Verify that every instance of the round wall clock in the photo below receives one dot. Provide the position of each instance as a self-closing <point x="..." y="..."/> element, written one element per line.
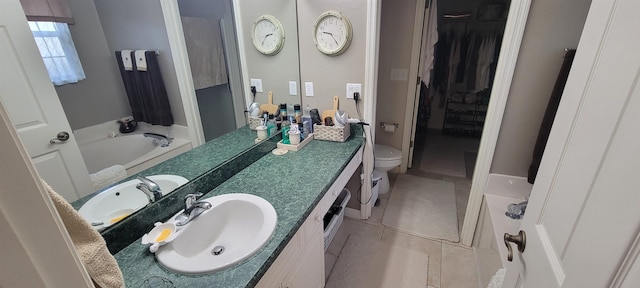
<point x="267" y="35"/>
<point x="332" y="33"/>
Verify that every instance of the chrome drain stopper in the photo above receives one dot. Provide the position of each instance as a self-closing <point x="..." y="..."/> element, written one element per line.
<point x="217" y="250"/>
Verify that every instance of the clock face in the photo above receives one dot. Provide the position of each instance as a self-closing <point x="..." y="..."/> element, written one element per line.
<point x="332" y="33"/>
<point x="268" y="35"/>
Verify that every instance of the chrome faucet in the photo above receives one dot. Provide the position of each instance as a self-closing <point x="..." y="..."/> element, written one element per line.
<point x="159" y="139"/>
<point x="193" y="209"/>
<point x="152" y="189"/>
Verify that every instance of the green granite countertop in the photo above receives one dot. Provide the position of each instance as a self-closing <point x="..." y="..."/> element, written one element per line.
<point x="293" y="183"/>
<point x="196" y="161"/>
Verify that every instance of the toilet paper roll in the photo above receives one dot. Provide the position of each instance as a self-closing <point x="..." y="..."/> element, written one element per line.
<point x="389" y="128"/>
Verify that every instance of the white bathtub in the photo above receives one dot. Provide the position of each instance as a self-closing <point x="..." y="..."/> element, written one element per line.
<point x="134" y="151"/>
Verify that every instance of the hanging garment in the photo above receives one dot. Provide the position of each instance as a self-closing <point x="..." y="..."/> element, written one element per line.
<point x="429" y="41"/>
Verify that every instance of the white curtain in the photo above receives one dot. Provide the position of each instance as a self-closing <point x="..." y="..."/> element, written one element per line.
<point x="58" y="52"/>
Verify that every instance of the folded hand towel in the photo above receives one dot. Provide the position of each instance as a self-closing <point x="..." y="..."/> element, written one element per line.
<point x="108" y="176"/>
<point x="90" y="246"/>
<point x="126" y="60"/>
<point x="141" y="60"/>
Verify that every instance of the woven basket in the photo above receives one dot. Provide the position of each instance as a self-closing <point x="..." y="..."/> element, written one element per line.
<point x="254" y="122"/>
<point x="331" y="133"/>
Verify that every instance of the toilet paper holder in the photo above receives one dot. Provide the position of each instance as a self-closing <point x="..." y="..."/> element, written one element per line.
<point x="382" y="124"/>
<point x="389" y="127"/>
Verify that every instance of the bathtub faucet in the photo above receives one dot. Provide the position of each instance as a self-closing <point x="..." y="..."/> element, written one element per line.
<point x="160" y="140"/>
<point x="150" y="188"/>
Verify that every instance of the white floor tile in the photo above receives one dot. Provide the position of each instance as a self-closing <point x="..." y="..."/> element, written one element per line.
<point x="433" y="248"/>
<point x="458" y="267"/>
<point x="366" y="262"/>
<point x="353" y="227"/>
<point x="329" y="262"/>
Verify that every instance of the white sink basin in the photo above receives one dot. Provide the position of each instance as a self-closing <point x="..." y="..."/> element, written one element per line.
<point x="117" y="202"/>
<point x="240" y="223"/>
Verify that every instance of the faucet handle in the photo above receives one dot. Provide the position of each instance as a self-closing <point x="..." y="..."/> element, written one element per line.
<point x="191" y="198"/>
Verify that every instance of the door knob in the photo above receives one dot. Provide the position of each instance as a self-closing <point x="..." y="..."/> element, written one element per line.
<point x="520" y="240"/>
<point x="62" y="136"/>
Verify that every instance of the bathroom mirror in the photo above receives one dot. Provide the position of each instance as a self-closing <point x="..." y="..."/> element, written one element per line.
<point x="279" y="72"/>
<point x="93" y="105"/>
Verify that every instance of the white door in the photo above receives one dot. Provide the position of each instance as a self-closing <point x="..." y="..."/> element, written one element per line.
<point x="34" y="108"/>
<point x="583" y="220"/>
<point x="424" y="41"/>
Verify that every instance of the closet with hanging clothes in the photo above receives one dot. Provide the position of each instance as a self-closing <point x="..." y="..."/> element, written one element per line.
<point x="464" y="65"/>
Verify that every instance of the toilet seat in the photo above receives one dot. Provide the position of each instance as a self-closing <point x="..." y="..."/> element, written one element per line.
<point x="386" y="153"/>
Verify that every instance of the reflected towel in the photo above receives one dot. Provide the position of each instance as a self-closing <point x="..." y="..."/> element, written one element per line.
<point x="90" y="246"/>
<point x="141" y="60"/>
<point x="108" y="176"/>
<point x="126" y="60"/>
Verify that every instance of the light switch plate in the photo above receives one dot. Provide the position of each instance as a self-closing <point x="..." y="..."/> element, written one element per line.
<point x="293" y="88"/>
<point x="352" y="88"/>
<point x="257" y="83"/>
<point x="308" y="89"/>
<point x="399" y="74"/>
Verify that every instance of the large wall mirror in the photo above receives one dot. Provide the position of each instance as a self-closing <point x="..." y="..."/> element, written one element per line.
<point x="217" y="33"/>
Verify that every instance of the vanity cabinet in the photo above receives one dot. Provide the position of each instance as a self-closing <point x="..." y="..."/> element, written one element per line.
<point x="301" y="263"/>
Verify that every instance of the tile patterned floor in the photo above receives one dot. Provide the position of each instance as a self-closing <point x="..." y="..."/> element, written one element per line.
<point x="450" y="265"/>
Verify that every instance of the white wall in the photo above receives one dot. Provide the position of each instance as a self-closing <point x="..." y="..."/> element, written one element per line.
<point x="552" y="26"/>
<point x="330" y="74"/>
<point x="101" y="96"/>
<point x="140" y="25"/>
<point x="395" y="52"/>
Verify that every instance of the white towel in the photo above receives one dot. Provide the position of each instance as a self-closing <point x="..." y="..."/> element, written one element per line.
<point x="496" y="280"/>
<point x="126" y="59"/>
<point x="108" y="176"/>
<point x="141" y="60"/>
<point x="89" y="244"/>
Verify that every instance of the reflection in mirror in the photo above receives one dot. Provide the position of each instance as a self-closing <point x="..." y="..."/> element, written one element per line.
<point x="278" y="72"/>
<point x="91" y="107"/>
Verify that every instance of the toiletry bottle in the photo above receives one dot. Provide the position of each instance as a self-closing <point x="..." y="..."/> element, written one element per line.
<point x="271" y="126"/>
<point x="297" y="113"/>
<point x="286" y="125"/>
<point x="307" y="125"/>
<point x="283" y="111"/>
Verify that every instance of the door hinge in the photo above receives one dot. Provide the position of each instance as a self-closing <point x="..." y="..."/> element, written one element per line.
<point x="418" y="81"/>
<point x="411" y="144"/>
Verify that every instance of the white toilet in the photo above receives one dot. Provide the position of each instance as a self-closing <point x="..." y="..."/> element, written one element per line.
<point x="386" y="158"/>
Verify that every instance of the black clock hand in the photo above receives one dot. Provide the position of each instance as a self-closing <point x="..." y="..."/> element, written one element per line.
<point x="334" y="38"/>
<point x="265" y="37"/>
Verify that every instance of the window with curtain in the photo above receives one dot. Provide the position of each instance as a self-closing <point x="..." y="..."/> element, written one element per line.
<point x="58" y="52"/>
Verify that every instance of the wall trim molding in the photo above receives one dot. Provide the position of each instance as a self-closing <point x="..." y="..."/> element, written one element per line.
<point x="173" y="23"/>
<point x="513" y="34"/>
<point x="370" y="97"/>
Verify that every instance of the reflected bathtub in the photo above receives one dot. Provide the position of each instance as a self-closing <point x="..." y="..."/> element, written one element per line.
<point x="133" y="151"/>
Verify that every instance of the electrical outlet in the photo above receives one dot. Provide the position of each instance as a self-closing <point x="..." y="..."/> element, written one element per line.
<point x="352" y="88"/>
<point x="399" y="74"/>
<point x="257" y="83"/>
